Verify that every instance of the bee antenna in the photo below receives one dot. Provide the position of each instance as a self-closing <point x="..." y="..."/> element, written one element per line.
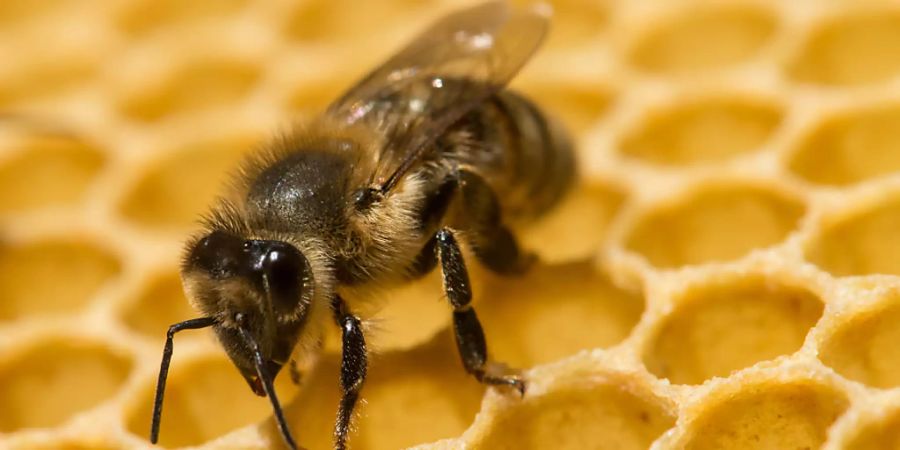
<point x="191" y="324"/>
<point x="267" y="383"/>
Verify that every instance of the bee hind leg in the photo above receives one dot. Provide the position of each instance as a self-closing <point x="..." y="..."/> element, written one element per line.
<point x="467" y="329"/>
<point x="353" y="368"/>
<point x="492" y="242"/>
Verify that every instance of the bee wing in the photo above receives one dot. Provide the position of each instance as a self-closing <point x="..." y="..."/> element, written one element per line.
<point x="445" y="72"/>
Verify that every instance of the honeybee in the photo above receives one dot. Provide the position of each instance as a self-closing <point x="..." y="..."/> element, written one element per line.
<point x="427" y="152"/>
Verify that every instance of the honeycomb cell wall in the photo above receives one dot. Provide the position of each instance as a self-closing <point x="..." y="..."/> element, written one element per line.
<point x="726" y="274"/>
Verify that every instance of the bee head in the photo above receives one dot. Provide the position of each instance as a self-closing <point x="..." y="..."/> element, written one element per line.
<point x="262" y="288"/>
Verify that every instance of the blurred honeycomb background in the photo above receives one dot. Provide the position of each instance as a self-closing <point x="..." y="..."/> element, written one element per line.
<point x="725" y="276"/>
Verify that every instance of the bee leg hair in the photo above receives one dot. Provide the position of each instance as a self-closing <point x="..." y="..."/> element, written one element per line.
<point x="353" y="368"/>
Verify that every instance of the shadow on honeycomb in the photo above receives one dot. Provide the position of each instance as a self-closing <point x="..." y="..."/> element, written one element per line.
<point x="724" y="276"/>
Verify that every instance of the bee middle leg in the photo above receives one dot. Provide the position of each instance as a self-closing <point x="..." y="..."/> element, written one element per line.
<point x="492" y="243"/>
<point x="353" y="368"/>
<point x="467" y="329"/>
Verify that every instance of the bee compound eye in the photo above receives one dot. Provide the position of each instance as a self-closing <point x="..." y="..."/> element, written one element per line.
<point x="286" y="269"/>
<point x="217" y="253"/>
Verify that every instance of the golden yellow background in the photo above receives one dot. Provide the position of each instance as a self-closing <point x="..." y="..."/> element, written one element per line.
<point x="725" y="276"/>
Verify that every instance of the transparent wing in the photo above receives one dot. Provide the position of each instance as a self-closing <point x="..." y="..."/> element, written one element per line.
<point x="445" y="72"/>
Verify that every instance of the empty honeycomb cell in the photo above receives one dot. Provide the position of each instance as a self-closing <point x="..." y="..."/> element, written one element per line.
<point x="604" y="416"/>
<point x="320" y="20"/>
<point x="68" y="445"/>
<point x="854" y="48"/>
<point x="738" y="116"/>
<point x="314" y="96"/>
<point x="730" y="325"/>
<point x="206" y="397"/>
<point x="49" y="382"/>
<point x="851" y="147"/>
<point x="18" y="11"/>
<point x="410" y="397"/>
<point x="409" y="315"/>
<point x="49" y="172"/>
<point x="877" y="435"/>
<point x="793" y="415"/>
<point x="706" y="131"/>
<point x="525" y="328"/>
<point x="864" y="347"/>
<point x="575" y="229"/>
<point x="718" y="223"/>
<point x="704" y="38"/>
<point x="143" y="16"/>
<point x="159" y="305"/>
<point x="171" y="194"/>
<point x="48" y="77"/>
<point x="576" y="106"/>
<point x="51" y="277"/>
<point x="862" y="244"/>
<point x="202" y="84"/>
<point x="575" y="22"/>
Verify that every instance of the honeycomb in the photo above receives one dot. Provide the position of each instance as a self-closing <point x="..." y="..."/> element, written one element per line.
<point x="725" y="276"/>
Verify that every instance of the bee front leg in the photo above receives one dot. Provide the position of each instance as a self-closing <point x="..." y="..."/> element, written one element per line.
<point x="467" y="329"/>
<point x="353" y="368"/>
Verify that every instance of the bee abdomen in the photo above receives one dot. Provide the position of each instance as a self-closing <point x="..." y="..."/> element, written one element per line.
<point x="538" y="165"/>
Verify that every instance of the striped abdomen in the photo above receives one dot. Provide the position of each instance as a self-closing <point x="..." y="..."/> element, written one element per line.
<point x="525" y="156"/>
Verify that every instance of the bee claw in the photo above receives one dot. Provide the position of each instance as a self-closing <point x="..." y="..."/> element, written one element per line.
<point x="512" y="381"/>
<point x="519" y="385"/>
